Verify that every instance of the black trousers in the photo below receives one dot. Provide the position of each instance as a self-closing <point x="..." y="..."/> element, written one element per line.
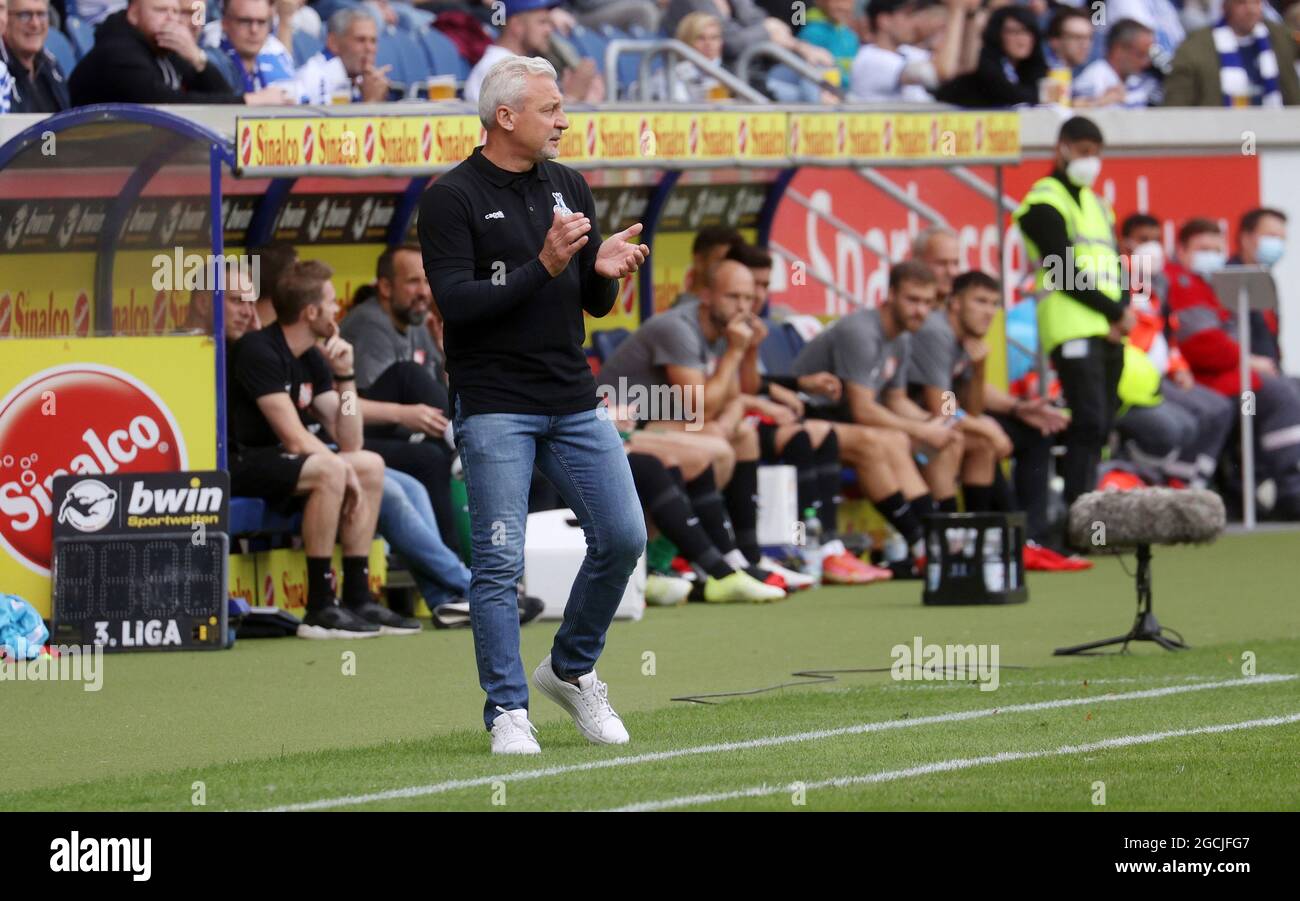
<point x="1089" y="370"/>
<point x="428" y="460"/>
<point x="1031" y="472"/>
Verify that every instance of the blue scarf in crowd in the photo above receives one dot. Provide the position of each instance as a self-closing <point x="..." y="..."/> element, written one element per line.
<point x="1242" y="86"/>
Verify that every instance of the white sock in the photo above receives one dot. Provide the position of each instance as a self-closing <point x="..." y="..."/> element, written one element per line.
<point x="832" y="548"/>
<point x="738" y="561"/>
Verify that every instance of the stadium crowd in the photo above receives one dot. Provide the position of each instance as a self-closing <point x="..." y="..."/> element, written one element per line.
<point x="972" y="53"/>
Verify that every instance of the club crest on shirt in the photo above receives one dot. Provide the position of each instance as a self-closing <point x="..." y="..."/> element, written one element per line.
<point x="304" y="395"/>
<point x="560" y="205"/>
<point x="891" y="366"/>
<point x="418" y="356"/>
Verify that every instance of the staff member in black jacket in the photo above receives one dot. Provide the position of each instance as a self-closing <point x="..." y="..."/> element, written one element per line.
<point x="514" y="257"/>
<point x="146" y="54"/>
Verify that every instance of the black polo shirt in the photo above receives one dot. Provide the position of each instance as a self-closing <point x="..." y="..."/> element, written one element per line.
<point x="513" y="334"/>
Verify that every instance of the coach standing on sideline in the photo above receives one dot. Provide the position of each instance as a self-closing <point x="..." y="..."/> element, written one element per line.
<point x="513" y="259"/>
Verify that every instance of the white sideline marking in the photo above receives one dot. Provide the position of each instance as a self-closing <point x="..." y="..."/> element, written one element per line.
<point x="945" y="766"/>
<point x="418" y="791"/>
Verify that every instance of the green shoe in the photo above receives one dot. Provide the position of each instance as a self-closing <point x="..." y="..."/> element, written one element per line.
<point x="740" y="587"/>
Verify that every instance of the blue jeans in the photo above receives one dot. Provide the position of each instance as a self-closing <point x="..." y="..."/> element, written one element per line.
<point x="582" y="456"/>
<point x="406" y="522"/>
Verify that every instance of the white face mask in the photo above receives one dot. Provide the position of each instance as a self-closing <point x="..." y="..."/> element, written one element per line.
<point x="1083" y="171"/>
<point x="1150" y="256"/>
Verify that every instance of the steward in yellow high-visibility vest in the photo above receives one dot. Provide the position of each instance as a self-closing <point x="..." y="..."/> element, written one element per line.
<point x="1083" y="303"/>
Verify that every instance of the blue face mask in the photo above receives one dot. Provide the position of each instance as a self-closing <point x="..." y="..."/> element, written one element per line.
<point x="1207" y="262"/>
<point x="1270" y="249"/>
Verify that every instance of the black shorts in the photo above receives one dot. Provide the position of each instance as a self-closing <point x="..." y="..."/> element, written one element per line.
<point x="267" y="472"/>
<point x="829" y="412"/>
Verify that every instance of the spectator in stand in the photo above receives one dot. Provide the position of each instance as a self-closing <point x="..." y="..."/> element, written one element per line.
<point x="1197" y="14"/>
<point x="1242" y="61"/>
<point x="1261" y="240"/>
<point x="35" y="82"/>
<point x="345" y="70"/>
<point x="1069" y="39"/>
<point x="6" y="81"/>
<point x="830" y="26"/>
<point x="703" y="32"/>
<point x="527" y="32"/>
<point x="399" y="378"/>
<point x="1206" y="332"/>
<point x="147" y="54"/>
<point x="1161" y="16"/>
<point x="256" y="58"/>
<point x="1010" y="66"/>
<point x="624" y="14"/>
<point x="1123" y="77"/>
<point x="281" y="385"/>
<point x="892" y="68"/>
<point x="744" y="24"/>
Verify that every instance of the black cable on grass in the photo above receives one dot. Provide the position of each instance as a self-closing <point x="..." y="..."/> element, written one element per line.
<point x="809" y="677"/>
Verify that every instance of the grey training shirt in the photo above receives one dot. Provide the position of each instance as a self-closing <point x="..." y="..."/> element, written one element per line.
<point x="855" y="349"/>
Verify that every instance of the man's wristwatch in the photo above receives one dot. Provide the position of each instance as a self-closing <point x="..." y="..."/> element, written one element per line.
<point x="350" y="377"/>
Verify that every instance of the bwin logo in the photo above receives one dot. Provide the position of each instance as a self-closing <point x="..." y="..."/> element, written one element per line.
<point x="163" y="501"/>
<point x="497" y="215"/>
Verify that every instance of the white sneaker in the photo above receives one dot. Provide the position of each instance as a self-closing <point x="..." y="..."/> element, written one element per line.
<point x="513" y="734"/>
<point x="587" y="702"/>
<point x="793" y="580"/>
<point x="666" y="591"/>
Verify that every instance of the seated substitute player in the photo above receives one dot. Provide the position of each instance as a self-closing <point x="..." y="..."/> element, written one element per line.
<point x="282" y="399"/>
<point x="946" y="378"/>
<point x="868" y="350"/>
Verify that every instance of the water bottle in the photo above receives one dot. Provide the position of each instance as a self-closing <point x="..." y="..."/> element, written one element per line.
<point x="812" y="545"/>
<point x="994" y="575"/>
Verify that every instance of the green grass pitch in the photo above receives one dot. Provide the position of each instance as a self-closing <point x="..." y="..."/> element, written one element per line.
<point x="279" y="724"/>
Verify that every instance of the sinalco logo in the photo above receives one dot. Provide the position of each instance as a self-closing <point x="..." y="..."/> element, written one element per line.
<point x="88" y="505"/>
<point x="79" y="418"/>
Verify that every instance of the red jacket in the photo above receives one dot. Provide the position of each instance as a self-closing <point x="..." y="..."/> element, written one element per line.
<point x="1200" y="324"/>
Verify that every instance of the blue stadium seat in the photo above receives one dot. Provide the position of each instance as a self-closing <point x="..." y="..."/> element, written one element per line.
<point x="58" y="44"/>
<point x="82" y="35"/>
<point x="400" y="50"/>
<point x="443" y="55"/>
<point x="250" y="516"/>
<point x="629" y="64"/>
<point x="305" y="47"/>
<point x="246" y="515"/>
<point x="606" y="342"/>
<point x="590" y="44"/>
